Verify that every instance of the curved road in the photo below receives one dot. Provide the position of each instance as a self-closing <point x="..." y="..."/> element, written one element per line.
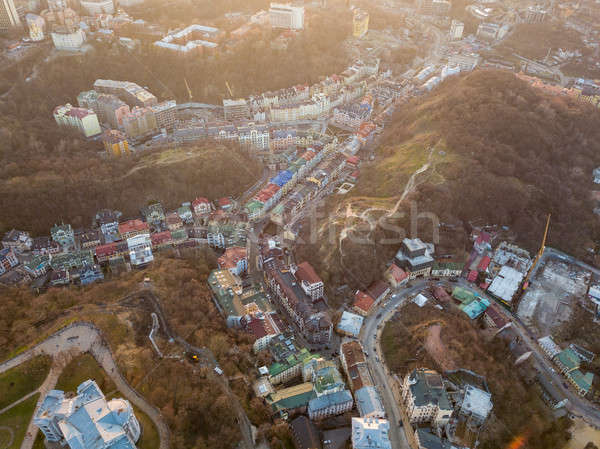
<point x="69" y="342"/>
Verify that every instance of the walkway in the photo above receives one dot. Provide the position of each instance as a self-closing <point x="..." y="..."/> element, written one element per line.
<point x="68" y="343"/>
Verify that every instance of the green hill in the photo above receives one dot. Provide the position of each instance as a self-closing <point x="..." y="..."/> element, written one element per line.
<point x="497" y="152"/>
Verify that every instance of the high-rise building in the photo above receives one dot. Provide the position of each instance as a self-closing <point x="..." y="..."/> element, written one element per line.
<point x="98" y="6"/>
<point x="115" y="143"/>
<point x="139" y="122"/>
<point x="286" y="16"/>
<point x="8" y="15"/>
<point x="68" y="39"/>
<point x="360" y="23"/>
<point x="535" y="14"/>
<point x="433" y="7"/>
<point x="236" y="109"/>
<point x="456" y="30"/>
<point x="82" y="119"/>
<point x="165" y="114"/>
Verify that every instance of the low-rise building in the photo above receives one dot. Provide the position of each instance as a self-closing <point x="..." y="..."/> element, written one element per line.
<point x="363" y="303"/>
<point x="108" y="222"/>
<point x="370" y="433"/>
<point x="305" y="434"/>
<point x="64" y="235"/>
<point x="140" y="250"/>
<point x="201" y="206"/>
<point x="37" y="265"/>
<point x="87" y="419"/>
<point x="235" y="260"/>
<point x="330" y="404"/>
<point x="494" y="318"/>
<point x="350" y="324"/>
<point x="368" y="402"/>
<point x="291" y="401"/>
<point x="396" y="276"/>
<point x="8" y="260"/>
<point x="19" y="241"/>
<point x="549" y="346"/>
<point x="415" y="257"/>
<point x="425" y="398"/>
<point x="427" y="440"/>
<point x="88" y="274"/>
<point x="131" y="228"/>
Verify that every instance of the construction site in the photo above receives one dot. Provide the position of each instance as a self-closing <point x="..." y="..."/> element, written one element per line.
<point x="556" y="286"/>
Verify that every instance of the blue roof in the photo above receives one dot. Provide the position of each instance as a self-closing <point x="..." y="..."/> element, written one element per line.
<point x="322" y="402"/>
<point x="282" y="178"/>
<point x="475" y="308"/>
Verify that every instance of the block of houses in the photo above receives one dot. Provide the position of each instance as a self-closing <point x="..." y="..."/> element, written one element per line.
<point x="363" y="303"/>
<point x="37" y="265"/>
<point x="75" y="259"/>
<point x="140" y="250"/>
<point x="235" y="260"/>
<point x="396" y="276"/>
<point x="87" y="238"/>
<point x="569" y="363"/>
<point x="185" y="213"/>
<point x="173" y="221"/>
<point x="19" y="241"/>
<point x="331" y="404"/>
<point x="64" y="235"/>
<point x="415" y="257"/>
<point x="201" y="206"/>
<point x="44" y="246"/>
<point x="131" y="228"/>
<point x="154" y="214"/>
<point x="291" y="401"/>
<point x="378" y="290"/>
<point x="8" y="260"/>
<point x="161" y="240"/>
<point x="494" y="318"/>
<point x="310" y="281"/>
<point x="88" y="274"/>
<point x="108" y="222"/>
<point x="354" y="363"/>
<point x="425" y="398"/>
<point x="368" y="402"/>
<point x="350" y="324"/>
<point x="263" y="327"/>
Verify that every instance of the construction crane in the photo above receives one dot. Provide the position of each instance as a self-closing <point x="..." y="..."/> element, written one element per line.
<point x="539" y="254"/>
<point x="188" y="88"/>
<point x="229" y="89"/>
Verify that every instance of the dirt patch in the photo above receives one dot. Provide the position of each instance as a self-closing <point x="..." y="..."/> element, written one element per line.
<point x="582" y="434"/>
<point x="436" y="349"/>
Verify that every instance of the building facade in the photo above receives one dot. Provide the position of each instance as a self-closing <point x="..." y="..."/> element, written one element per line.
<point x="84" y="120"/>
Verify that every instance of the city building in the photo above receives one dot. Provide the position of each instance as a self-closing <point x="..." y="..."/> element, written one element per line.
<point x="427" y="440"/>
<point x="425" y="398"/>
<point x="234" y="259"/>
<point x="140" y="250"/>
<point x="310" y="281"/>
<point x="415" y="257"/>
<point x="360" y="23"/>
<point x="115" y="143"/>
<point x="67" y="39"/>
<point x="9" y="17"/>
<point x="476" y="405"/>
<point x="192" y="40"/>
<point x="84" y="120"/>
<point x="140" y="122"/>
<point x="19" y="241"/>
<point x="63" y="235"/>
<point x="456" y="30"/>
<point x="165" y="114"/>
<point x="87" y="420"/>
<point x="236" y="109"/>
<point x="396" y="276"/>
<point x="89" y="100"/>
<point x="129" y="92"/>
<point x="331" y="404"/>
<point x="370" y="433"/>
<point x="254" y="137"/>
<point x="131" y="228"/>
<point x="350" y="324"/>
<point x="535" y="14"/>
<point x="466" y="62"/>
<point x="108" y="222"/>
<point x="305" y="434"/>
<point x="363" y="303"/>
<point x="201" y="206"/>
<point x="36" y="26"/>
<point x="111" y="109"/>
<point x="8" y="260"/>
<point x="286" y="16"/>
<point x="291" y="401"/>
<point x="95" y="7"/>
<point x="368" y="402"/>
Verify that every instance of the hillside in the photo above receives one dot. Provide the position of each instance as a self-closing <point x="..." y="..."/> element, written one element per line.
<point x="492" y="150"/>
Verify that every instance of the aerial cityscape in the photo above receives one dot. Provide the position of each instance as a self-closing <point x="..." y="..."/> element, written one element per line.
<point x="326" y="224"/>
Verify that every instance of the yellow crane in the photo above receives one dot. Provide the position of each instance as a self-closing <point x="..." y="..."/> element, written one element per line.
<point x="229" y="89"/>
<point x="539" y="254"/>
<point x="188" y="88"/>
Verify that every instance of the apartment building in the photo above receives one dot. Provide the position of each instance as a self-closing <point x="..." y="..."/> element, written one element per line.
<point x="140" y="122"/>
<point x="9" y="17"/>
<point x="115" y="143"/>
<point x="127" y="91"/>
<point x="164" y="113"/>
<point x="415" y="257"/>
<point x="236" y="109"/>
<point x="83" y="120"/>
<point x="140" y="250"/>
<point x="111" y="110"/>
<point x="286" y="16"/>
<point x="425" y="398"/>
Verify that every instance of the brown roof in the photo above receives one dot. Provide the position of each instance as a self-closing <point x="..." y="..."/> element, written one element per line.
<point x="377" y="289"/>
<point x="363" y="301"/>
<point x="353" y="353"/>
<point x="307" y="273"/>
<point x="496" y="316"/>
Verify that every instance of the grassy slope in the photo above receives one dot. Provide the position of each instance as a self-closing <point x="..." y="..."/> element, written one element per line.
<point x="17" y="418"/>
<point x="19" y="381"/>
<point x="509" y="155"/>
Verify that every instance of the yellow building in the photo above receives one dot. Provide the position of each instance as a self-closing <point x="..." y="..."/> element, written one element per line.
<point x="360" y="23"/>
<point x="115" y="142"/>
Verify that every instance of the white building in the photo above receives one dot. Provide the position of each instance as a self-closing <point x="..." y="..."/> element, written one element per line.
<point x="98" y="6"/>
<point x="8" y="15"/>
<point x="350" y="324"/>
<point x="87" y="420"/>
<point x="286" y="16"/>
<point x="254" y="137"/>
<point x="368" y="402"/>
<point x="82" y="119"/>
<point x="36" y="25"/>
<point x="370" y="433"/>
<point x="140" y="249"/>
<point x="549" y="346"/>
<point x="506" y="284"/>
<point x="476" y="404"/>
<point x="68" y="40"/>
<point x="456" y="30"/>
<point x="425" y="398"/>
<point x="465" y="62"/>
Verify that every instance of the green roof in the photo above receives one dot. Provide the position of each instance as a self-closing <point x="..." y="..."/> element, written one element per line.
<point x="327" y="378"/>
<point x="253" y="206"/>
<point x="447" y="266"/>
<point x="179" y="234"/>
<point x="427" y="387"/>
<point x="464" y="295"/>
<point x="293" y="402"/>
<point x="262" y="302"/>
<point x="569" y="359"/>
<point x="292" y="360"/>
<point x="583" y="381"/>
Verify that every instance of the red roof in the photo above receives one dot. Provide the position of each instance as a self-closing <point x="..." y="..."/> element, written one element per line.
<point x="224" y="201"/>
<point x="483" y="264"/>
<point x="483" y="237"/>
<point x="106" y="250"/>
<point x="257" y="328"/>
<point x="363" y="301"/>
<point x="355" y="173"/>
<point x="354" y="160"/>
<point x="160" y="237"/>
<point x="231" y="257"/>
<point x="397" y="273"/>
<point x="496" y="316"/>
<point x="472" y="277"/>
<point x="307" y="273"/>
<point x="441" y="294"/>
<point x="200" y="200"/>
<point x="132" y="225"/>
<point x="377" y="289"/>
